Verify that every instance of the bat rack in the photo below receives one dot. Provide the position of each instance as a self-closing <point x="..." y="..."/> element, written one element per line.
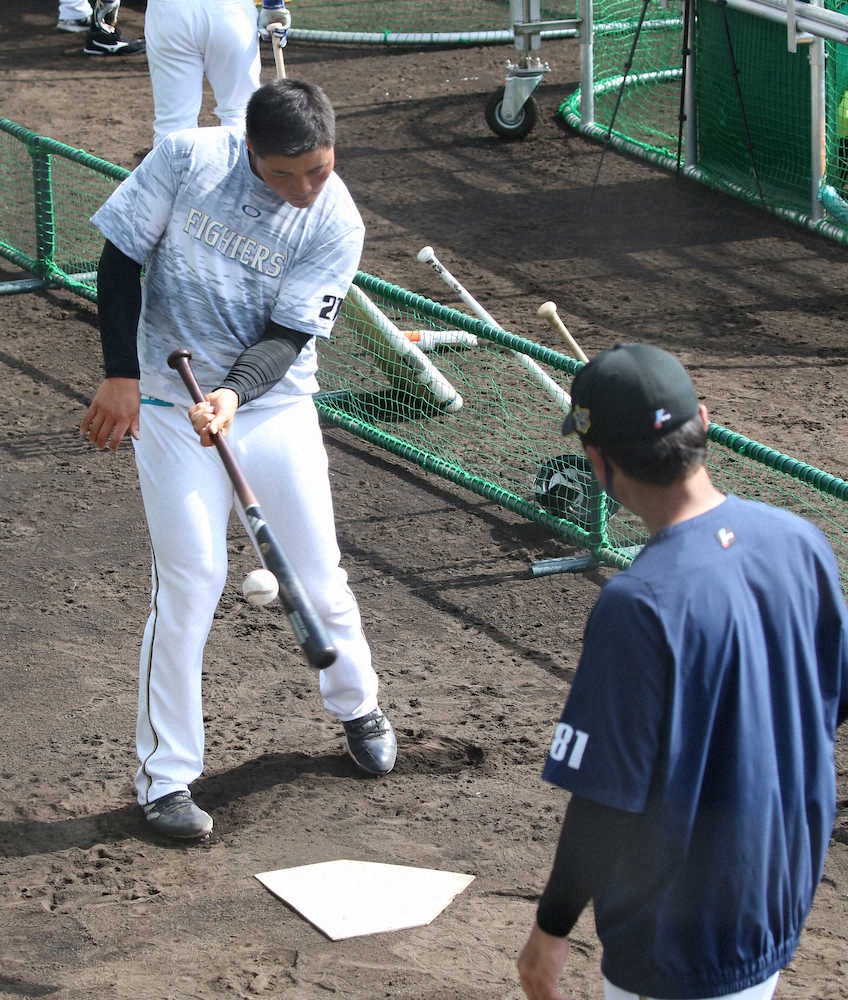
<point x="512" y="111"/>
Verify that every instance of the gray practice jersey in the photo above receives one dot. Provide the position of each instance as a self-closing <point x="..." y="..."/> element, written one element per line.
<point x="223" y="255"/>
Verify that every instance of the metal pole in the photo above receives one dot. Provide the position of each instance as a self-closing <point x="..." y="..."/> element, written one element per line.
<point x="587" y="63"/>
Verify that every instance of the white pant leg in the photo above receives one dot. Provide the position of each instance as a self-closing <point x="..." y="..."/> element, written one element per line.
<point x="282" y="454"/>
<point x="74" y="10"/>
<point x="231" y="58"/>
<point x="187" y="500"/>
<point x="762" y="991"/>
<point x="187" y="38"/>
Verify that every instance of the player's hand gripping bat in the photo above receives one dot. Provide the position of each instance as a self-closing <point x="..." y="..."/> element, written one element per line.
<point x="307" y="626"/>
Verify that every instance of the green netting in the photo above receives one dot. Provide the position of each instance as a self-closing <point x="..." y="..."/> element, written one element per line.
<point x="503" y="441"/>
<point x="479" y="406"/>
<point x="753" y="111"/>
<point x="753" y="126"/>
<point x="643" y="45"/>
<point x="411" y="22"/>
<point x="51" y="190"/>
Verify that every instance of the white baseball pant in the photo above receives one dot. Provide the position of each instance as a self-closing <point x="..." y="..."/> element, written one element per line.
<point x="74" y="10"/>
<point x="187" y="39"/>
<point x="762" y="991"/>
<point x="188" y="498"/>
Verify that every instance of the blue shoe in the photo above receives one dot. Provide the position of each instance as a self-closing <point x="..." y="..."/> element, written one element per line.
<point x="176" y="815"/>
<point x="372" y="743"/>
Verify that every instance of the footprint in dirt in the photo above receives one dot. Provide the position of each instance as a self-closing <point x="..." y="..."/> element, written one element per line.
<point x="437" y="755"/>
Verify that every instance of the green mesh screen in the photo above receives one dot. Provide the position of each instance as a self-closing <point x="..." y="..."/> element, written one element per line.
<point x="753" y="105"/>
<point x="50" y="192"/>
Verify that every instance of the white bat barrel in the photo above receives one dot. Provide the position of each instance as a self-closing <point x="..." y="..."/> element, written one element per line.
<point x="426" y="373"/>
<point x="427" y="255"/>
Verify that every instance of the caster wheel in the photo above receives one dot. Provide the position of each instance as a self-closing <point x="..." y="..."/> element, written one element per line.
<point x="518" y="129"/>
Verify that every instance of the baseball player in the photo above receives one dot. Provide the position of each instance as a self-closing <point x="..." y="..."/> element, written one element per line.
<point x="249" y="244"/>
<point x="218" y="39"/>
<point x="697" y="738"/>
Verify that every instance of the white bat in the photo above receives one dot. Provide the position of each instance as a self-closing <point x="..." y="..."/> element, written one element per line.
<point x="548" y="311"/>
<point x="428" y="256"/>
<point x="424" y="371"/>
<point x="429" y="340"/>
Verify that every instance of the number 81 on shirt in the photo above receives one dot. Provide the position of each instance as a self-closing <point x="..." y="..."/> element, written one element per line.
<point x="568" y="745"/>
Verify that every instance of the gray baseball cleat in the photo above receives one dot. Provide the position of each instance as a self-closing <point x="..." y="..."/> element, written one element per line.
<point x="176" y="815"/>
<point x="372" y="743"/>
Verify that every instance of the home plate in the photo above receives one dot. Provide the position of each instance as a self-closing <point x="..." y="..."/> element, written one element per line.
<point x="350" y="898"/>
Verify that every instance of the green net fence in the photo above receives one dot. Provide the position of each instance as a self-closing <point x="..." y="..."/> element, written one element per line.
<point x="458" y="397"/>
<point x="410" y="22"/>
<point x="50" y="192"/>
<point x="759" y="111"/>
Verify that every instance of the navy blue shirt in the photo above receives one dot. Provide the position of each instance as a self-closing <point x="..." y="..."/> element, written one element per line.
<point x="713" y="674"/>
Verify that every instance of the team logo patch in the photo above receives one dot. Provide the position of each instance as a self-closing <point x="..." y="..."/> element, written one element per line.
<point x="582" y="419"/>
<point x="661" y="416"/>
<point x="725" y="537"/>
<point x="251" y="211"/>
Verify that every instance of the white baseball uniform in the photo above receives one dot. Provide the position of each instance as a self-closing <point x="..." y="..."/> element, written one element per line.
<point x="223" y="255"/>
<point x="74" y="10"/>
<point x="187" y="39"/>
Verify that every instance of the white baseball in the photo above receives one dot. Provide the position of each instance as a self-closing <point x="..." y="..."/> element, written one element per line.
<point x="260" y="587"/>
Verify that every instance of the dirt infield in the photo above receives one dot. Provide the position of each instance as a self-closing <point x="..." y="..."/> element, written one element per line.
<point x="475" y="655"/>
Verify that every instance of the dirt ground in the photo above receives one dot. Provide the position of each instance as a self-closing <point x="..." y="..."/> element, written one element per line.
<point x="475" y="655"/>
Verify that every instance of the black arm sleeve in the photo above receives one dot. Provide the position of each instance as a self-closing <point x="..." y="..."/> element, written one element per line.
<point x="260" y="367"/>
<point x="592" y="837"/>
<point x="118" y="308"/>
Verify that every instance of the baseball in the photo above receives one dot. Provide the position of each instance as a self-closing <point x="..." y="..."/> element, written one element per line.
<point x="260" y="587"/>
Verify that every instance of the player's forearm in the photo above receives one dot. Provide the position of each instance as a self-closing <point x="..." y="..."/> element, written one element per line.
<point x="260" y="367"/>
<point x="119" y="307"/>
<point x="588" y="845"/>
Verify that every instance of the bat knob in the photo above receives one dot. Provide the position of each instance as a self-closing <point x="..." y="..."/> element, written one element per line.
<point x="175" y="357"/>
<point x="546" y="310"/>
<point x="426" y="254"/>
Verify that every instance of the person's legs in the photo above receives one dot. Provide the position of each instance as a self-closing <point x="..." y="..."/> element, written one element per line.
<point x="231" y="58"/>
<point x="175" y="32"/>
<point x="187" y="501"/>
<point x="74" y="15"/>
<point x="283" y="457"/>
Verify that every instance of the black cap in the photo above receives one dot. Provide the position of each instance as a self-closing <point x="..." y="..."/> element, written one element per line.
<point x="628" y="393"/>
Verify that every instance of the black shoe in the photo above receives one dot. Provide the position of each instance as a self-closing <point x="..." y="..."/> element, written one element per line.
<point x="105" y="41"/>
<point x="372" y="743"/>
<point x="176" y="815"/>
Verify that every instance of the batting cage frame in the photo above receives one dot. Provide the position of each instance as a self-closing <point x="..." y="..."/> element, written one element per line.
<point x="749" y="97"/>
<point x="446" y="391"/>
<point x="410" y="22"/>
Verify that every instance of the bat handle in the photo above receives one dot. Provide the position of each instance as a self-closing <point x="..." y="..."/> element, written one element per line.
<point x="180" y="361"/>
<point x="548" y="311"/>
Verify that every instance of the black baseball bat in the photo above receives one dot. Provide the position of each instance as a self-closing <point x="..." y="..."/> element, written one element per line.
<point x="307" y="626"/>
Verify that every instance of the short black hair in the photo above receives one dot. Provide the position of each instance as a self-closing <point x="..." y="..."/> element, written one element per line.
<point x="290" y="117"/>
<point x="665" y="459"/>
